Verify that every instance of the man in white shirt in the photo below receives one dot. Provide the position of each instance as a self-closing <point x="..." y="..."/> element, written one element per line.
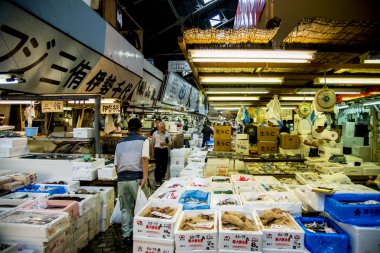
<point x="162" y="143"/>
<point x="131" y="161"/>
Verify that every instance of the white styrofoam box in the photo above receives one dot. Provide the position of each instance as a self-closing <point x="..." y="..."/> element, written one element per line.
<point x="13" y="204"/>
<point x="308" y="177"/>
<point x="26" y="195"/>
<point x="143" y="244"/>
<point x="239" y="165"/>
<point x="349" y="142"/>
<point x="217" y="198"/>
<point x="69" y="185"/>
<point x="285" y="251"/>
<point x="327" y="151"/>
<point x="167" y="194"/>
<point x="290" y="152"/>
<point x="362" y="239"/>
<point x="195" y="166"/>
<point x="105" y="224"/>
<point x="84" y="132"/>
<point x="107" y="194"/>
<point x="241" y="179"/>
<point x="352" y="159"/>
<point x="257" y="200"/>
<point x="177" y="160"/>
<point x="361" y="150"/>
<point x="370" y="168"/>
<point x="348" y="129"/>
<point x="16" y="151"/>
<point x="251" y="187"/>
<point x="13" y="142"/>
<point x="283" y="237"/>
<point x="176" y="183"/>
<point x="12" y="248"/>
<point x="351" y="169"/>
<point x="186" y="240"/>
<point x="36" y="245"/>
<point x="191" y="172"/>
<point x="81" y="242"/>
<point x="301" y="196"/>
<point x="78" y="232"/>
<point x="107" y="173"/>
<point x="200" y="182"/>
<point x="314" y="199"/>
<point x="8" y="227"/>
<point x="329" y="168"/>
<point x="84" y="174"/>
<point x="218" y="161"/>
<point x="155" y="227"/>
<point x="353" y="189"/>
<point x="266" y="179"/>
<point x="88" y="203"/>
<point x="175" y="170"/>
<point x="222" y="186"/>
<point x="184" y="152"/>
<point x="273" y="187"/>
<point x="196" y="251"/>
<point x="241" y="241"/>
<point x="337" y="178"/>
<point x="196" y="159"/>
<point x="94" y="165"/>
<point x="107" y="211"/>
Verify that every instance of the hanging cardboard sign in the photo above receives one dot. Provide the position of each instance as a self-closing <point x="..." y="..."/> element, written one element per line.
<point x="110" y="108"/>
<point x="51" y="106"/>
<point x="222" y="132"/>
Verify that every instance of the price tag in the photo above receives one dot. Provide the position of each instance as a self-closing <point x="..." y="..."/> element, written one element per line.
<point x="204" y="225"/>
<point x="51" y="106"/>
<point x="161" y="215"/>
<point x="110" y="108"/>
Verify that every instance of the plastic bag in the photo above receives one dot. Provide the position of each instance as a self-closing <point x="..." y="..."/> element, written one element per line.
<point x="116" y="215"/>
<point x="141" y="200"/>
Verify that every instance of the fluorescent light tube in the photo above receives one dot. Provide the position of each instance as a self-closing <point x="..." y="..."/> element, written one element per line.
<point x="4" y="81"/>
<point x="236" y="91"/>
<point x="227" y="108"/>
<point x="342" y="107"/>
<point x="15" y="102"/>
<point x="372" y="103"/>
<point x="312" y="91"/>
<point x="240" y="79"/>
<point x="225" y="98"/>
<point x="372" y="61"/>
<point x="347" y="80"/>
<point x="249" y="60"/>
<point x="297" y="98"/>
<point x="251" y="53"/>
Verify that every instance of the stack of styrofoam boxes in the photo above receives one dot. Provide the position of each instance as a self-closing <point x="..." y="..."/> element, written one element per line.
<point x="9" y="205"/>
<point x="283" y="239"/>
<point x="84" y="132"/>
<point x="197" y="240"/>
<point x="10" y="147"/>
<point x="240" y="241"/>
<point x="171" y="190"/>
<point x="68" y="184"/>
<point x="8" y="247"/>
<point x="42" y="232"/>
<point x="360" y="222"/>
<point x="178" y="160"/>
<point x="107" y="196"/>
<point x="14" y="180"/>
<point x="348" y="133"/>
<point x="155" y="234"/>
<point x="329" y="168"/>
<point x="107" y="173"/>
<point x="86" y="171"/>
<point x="350" y="168"/>
<point x="192" y="170"/>
<point x="221" y="185"/>
<point x="363" y="152"/>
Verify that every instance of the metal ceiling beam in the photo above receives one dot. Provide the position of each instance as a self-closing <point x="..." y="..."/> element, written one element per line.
<point x="177" y="16"/>
<point x="182" y="20"/>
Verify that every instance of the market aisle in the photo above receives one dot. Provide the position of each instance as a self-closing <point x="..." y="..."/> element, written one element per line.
<point x="109" y="241"/>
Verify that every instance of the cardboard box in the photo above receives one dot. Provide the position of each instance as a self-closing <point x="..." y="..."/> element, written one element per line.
<point x="242" y="147"/>
<point x="222" y="144"/>
<point x="242" y="137"/>
<point x="143" y="244"/>
<point x="222" y="132"/>
<point x="84" y="132"/>
<point x="267" y="133"/>
<point x="289" y="141"/>
<point x="267" y="147"/>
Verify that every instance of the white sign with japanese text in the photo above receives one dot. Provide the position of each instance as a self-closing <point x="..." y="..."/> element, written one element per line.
<point x="178" y="66"/>
<point x="178" y="92"/>
<point x="52" y="62"/>
<point x="147" y="91"/>
<point x="110" y="108"/>
<point x="52" y="106"/>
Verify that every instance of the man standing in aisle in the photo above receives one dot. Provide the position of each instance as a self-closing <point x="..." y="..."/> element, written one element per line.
<point x="161" y="143"/>
<point x="251" y="130"/>
<point x="207" y="132"/>
<point x="131" y="161"/>
<point x="155" y="128"/>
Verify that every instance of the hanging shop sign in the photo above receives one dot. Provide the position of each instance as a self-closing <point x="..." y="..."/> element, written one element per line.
<point x="110" y="108"/>
<point x="52" y="62"/>
<point x="178" y="92"/>
<point x="52" y="106"/>
<point x="179" y="66"/>
<point x="147" y="91"/>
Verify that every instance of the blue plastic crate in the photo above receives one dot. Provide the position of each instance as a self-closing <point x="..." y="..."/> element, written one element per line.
<point x="201" y="196"/>
<point x="356" y="214"/>
<point x="321" y="242"/>
<point x="36" y="188"/>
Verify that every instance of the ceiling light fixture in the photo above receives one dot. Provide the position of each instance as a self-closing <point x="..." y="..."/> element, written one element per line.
<point x="347" y="80"/>
<point x="227" y="108"/>
<point x="286" y="98"/>
<point x="372" y="103"/>
<point x="251" y="55"/>
<point x="225" y="98"/>
<point x="240" y="80"/>
<point x="15" y="102"/>
<point x="312" y="91"/>
<point x="236" y="91"/>
<point x="376" y="61"/>
<point x="342" y="107"/>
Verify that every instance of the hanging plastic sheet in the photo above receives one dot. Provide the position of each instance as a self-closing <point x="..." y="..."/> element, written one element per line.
<point x="273" y="113"/>
<point x="248" y="13"/>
